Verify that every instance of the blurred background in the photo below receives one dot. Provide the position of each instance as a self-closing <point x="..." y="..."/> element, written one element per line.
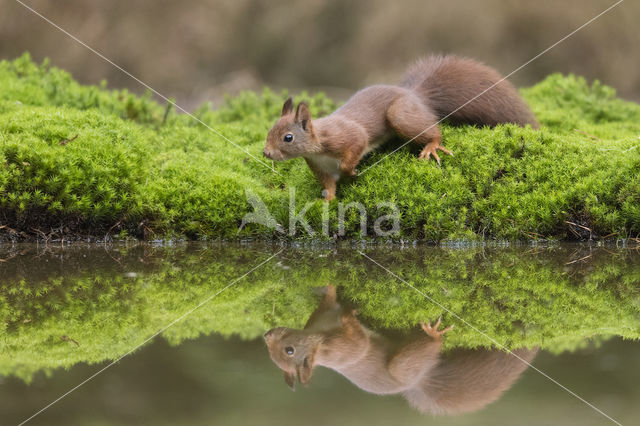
<point x="197" y="51"/>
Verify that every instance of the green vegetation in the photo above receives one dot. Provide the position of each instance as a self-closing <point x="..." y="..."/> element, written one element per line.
<point x="81" y="160"/>
<point x="64" y="306"/>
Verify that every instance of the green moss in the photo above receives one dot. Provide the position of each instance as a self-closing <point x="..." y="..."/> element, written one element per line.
<point x="137" y="166"/>
<point x="108" y="301"/>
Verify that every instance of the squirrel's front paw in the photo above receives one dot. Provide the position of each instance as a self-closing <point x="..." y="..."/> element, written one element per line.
<point x="350" y="172"/>
<point x="433" y="330"/>
<point x="349" y="315"/>
<point x="328" y="195"/>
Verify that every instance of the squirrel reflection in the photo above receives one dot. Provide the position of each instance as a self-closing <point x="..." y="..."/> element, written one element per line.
<point x="461" y="381"/>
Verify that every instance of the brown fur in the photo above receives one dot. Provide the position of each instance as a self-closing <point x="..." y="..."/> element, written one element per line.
<point x="432" y="89"/>
<point x="333" y="337"/>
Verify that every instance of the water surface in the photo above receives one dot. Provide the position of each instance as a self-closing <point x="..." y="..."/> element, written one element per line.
<point x="70" y="311"/>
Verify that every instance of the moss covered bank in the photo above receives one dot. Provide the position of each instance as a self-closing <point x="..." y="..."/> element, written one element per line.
<point x="82" y="160"/>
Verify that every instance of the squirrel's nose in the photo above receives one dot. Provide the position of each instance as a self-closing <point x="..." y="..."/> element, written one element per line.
<point x="266" y="153"/>
<point x="268" y="334"/>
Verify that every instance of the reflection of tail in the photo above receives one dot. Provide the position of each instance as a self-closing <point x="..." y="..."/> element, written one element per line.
<point x="468" y="380"/>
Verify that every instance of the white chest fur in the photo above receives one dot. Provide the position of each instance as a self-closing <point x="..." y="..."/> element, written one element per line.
<point x="326" y="164"/>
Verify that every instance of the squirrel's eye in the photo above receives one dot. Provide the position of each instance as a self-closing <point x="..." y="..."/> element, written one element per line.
<point x="289" y="350"/>
<point x="288" y="137"/>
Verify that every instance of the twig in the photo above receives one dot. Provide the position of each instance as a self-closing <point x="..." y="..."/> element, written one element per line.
<point x="575" y="232"/>
<point x="45" y="236"/>
<point x="66" y="141"/>
<point x="110" y="229"/>
<point x="69" y="339"/>
<point x="166" y="112"/>
<point x="609" y="235"/>
<point x="533" y="235"/>
<point x="579" y="226"/>
<point x="587" y="134"/>
<point x="578" y="260"/>
<point x="11" y="256"/>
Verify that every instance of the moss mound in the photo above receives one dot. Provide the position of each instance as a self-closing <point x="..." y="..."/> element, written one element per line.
<point x="65" y="306"/>
<point x="83" y="160"/>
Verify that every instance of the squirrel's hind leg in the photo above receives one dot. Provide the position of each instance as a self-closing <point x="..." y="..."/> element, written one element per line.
<point x="413" y="360"/>
<point x="351" y="157"/>
<point x="411" y="119"/>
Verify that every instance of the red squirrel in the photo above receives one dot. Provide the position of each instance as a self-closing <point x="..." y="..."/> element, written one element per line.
<point x="433" y="88"/>
<point x="462" y="381"/>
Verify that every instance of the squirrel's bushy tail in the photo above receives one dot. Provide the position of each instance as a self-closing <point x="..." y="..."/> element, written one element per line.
<point x="445" y="83"/>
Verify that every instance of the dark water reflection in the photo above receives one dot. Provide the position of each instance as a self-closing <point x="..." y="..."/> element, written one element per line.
<point x="65" y="308"/>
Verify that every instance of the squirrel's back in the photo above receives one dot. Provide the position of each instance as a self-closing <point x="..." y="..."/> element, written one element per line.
<point x="445" y="83"/>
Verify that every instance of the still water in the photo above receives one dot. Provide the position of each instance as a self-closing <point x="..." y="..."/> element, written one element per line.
<point x="186" y="323"/>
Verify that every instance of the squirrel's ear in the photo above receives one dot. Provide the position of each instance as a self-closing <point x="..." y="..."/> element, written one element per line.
<point x="303" y="115"/>
<point x="290" y="379"/>
<point x="287" y="108"/>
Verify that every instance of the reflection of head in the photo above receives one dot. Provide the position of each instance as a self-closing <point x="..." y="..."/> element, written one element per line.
<point x="461" y="381"/>
<point x="294" y="352"/>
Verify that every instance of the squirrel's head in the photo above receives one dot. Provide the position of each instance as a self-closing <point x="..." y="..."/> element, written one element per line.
<point x="294" y="352"/>
<point x="292" y="135"/>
